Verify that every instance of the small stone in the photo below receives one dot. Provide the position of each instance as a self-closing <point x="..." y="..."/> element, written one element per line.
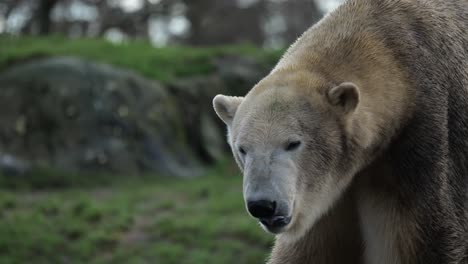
<point x="89" y="155"/>
<point x="71" y="111"/>
<point x="123" y="111"/>
<point x="102" y="159"/>
<point x="117" y="131"/>
<point x="20" y="125"/>
<point x="152" y="115"/>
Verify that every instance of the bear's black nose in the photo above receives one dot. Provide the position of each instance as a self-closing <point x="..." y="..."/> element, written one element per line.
<point x="261" y="208"/>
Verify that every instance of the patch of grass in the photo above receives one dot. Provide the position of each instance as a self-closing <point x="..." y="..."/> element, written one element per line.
<point x="145" y="220"/>
<point x="163" y="64"/>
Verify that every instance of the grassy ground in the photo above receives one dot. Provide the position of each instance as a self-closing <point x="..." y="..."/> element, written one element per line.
<point x="163" y="64"/>
<point x="143" y="220"/>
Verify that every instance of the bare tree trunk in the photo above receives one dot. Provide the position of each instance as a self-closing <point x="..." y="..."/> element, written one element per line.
<point x="299" y="15"/>
<point x="44" y="15"/>
<point x="224" y="22"/>
<point x="196" y="11"/>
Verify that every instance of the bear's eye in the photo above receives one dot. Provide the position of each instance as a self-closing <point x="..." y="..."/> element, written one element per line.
<point x="242" y="151"/>
<point x="293" y="145"/>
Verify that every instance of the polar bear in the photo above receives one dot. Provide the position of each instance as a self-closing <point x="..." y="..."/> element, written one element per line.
<point x="354" y="149"/>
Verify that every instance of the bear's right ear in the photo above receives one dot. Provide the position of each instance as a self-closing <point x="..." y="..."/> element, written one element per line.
<point x="344" y="96"/>
<point x="226" y="107"/>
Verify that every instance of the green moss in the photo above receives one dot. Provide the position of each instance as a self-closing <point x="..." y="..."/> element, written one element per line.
<point x="163" y="64"/>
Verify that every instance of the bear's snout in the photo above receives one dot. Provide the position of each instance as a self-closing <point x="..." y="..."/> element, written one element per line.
<point x="267" y="213"/>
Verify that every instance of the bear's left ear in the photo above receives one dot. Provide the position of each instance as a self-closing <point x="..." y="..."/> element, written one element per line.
<point x="345" y="96"/>
<point x="226" y="107"/>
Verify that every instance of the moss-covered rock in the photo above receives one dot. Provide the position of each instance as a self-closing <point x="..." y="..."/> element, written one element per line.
<point x="73" y="114"/>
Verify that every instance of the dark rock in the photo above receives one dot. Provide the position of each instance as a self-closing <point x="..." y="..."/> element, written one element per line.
<point x="72" y="114"/>
<point x="206" y="133"/>
<point x="239" y="74"/>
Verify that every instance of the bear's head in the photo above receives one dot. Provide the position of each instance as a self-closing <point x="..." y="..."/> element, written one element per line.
<point x="295" y="140"/>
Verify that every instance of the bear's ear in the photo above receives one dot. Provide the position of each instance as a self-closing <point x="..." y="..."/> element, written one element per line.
<point x="226" y="107"/>
<point x="345" y="96"/>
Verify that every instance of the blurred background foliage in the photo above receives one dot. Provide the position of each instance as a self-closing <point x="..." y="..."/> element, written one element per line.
<point x="268" y="23"/>
<point x="110" y="151"/>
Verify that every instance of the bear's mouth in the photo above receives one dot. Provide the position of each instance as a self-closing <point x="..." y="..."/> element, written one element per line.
<point x="275" y="224"/>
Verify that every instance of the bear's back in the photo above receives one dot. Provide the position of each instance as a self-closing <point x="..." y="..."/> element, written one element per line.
<point x="430" y="40"/>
